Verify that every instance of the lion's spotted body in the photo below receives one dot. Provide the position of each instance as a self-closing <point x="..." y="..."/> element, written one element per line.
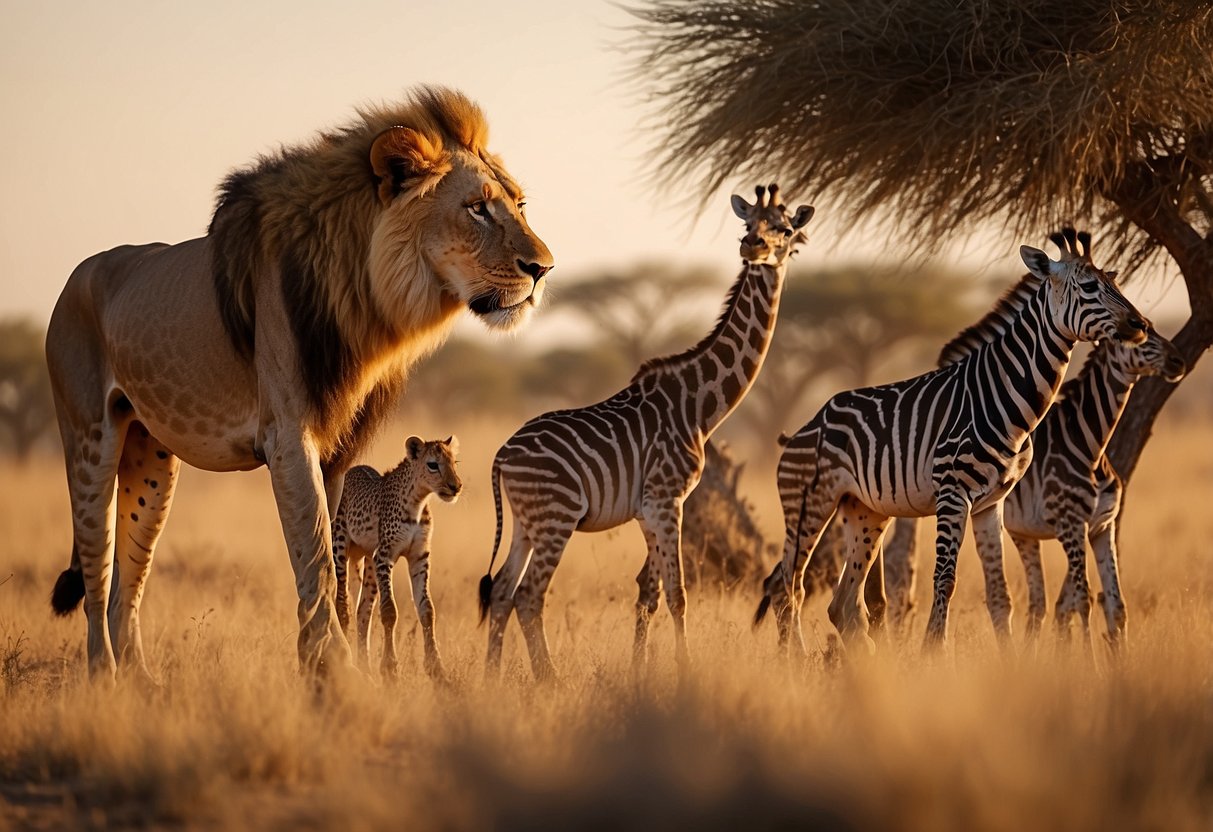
<point x="280" y="338"/>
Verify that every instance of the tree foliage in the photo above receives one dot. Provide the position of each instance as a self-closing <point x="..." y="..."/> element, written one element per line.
<point x="27" y="409"/>
<point x="941" y="115"/>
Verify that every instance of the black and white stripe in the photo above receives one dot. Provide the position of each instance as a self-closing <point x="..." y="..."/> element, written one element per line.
<point x="951" y="442"/>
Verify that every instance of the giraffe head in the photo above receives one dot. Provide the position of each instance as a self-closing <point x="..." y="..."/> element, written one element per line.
<point x="1083" y="299"/>
<point x="435" y="466"/>
<point x="772" y="232"/>
<point x="1156" y="356"/>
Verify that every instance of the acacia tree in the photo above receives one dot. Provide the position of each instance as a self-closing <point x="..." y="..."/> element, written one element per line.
<point x="941" y="116"/>
<point x="27" y="410"/>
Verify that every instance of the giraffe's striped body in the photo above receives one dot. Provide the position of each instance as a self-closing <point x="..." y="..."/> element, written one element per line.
<point x="1070" y="492"/>
<point x="381" y="519"/>
<point x="952" y="442"/>
<point x="636" y="455"/>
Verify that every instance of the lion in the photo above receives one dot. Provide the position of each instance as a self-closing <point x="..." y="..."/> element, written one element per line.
<point x="281" y="338"/>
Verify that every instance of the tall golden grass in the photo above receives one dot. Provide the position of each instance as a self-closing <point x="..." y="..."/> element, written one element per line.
<point x="236" y="739"/>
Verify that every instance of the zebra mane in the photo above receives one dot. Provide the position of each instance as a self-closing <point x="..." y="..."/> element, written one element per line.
<point x="994" y="324"/>
<point x="730" y="303"/>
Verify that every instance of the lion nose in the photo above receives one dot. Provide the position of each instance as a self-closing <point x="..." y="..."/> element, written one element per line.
<point x="535" y="270"/>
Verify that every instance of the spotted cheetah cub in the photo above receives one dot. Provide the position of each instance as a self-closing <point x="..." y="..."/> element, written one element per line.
<point x="384" y="518"/>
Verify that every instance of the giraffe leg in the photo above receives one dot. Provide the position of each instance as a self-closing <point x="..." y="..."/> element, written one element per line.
<point x="367" y="596"/>
<point x="987" y="531"/>
<point x="1076" y="597"/>
<point x="147" y="475"/>
<point x="419" y="580"/>
<point x="649" y="583"/>
<point x="501" y="603"/>
<point x="1103" y="543"/>
<point x="383" y="563"/>
<point x="91" y="454"/>
<point x="862" y="529"/>
<point x="529" y="599"/>
<point x="951" y="517"/>
<point x="1029" y="553"/>
<point x="662" y="520"/>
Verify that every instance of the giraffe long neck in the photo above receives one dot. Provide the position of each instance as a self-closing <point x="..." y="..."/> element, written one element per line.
<point x="1092" y="408"/>
<point x="1021" y="372"/>
<point x="723" y="372"/>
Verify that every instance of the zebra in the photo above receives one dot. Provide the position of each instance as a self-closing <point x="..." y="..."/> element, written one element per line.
<point x="1070" y="491"/>
<point x="637" y="454"/>
<point x="951" y="442"/>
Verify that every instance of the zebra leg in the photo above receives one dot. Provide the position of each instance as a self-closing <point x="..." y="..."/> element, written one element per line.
<point x="147" y="475"/>
<point x="951" y="517"/>
<point x="383" y="562"/>
<point x="874" y="595"/>
<point x="501" y="603"/>
<point x="900" y="567"/>
<point x="1029" y="553"/>
<point x="987" y="531"/>
<point x="529" y="599"/>
<point x="649" y="598"/>
<point x="1103" y="543"/>
<point x="805" y="516"/>
<point x="1076" y="594"/>
<point x="862" y="530"/>
<point x="419" y="579"/>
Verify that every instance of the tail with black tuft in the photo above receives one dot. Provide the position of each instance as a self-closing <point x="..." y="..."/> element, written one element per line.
<point x="763" y="606"/>
<point x="486" y="595"/>
<point x="69" y="588"/>
<point x="486" y="583"/>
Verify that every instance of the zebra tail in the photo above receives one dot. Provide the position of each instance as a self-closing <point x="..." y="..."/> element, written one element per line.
<point x="69" y="588"/>
<point x="486" y="583"/>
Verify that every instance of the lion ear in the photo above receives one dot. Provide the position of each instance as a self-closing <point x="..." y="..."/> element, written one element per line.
<point x="400" y="156"/>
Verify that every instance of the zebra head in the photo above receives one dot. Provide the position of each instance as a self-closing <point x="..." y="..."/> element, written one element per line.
<point x="1084" y="301"/>
<point x="772" y="232"/>
<point x="1156" y="356"/>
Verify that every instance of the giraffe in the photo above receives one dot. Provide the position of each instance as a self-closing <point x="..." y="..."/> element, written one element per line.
<point x="381" y="519"/>
<point x="1070" y="491"/>
<point x="952" y="442"/>
<point x="636" y="455"/>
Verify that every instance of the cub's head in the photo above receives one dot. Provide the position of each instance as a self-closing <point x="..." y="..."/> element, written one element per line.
<point x="449" y="202"/>
<point x="436" y="466"/>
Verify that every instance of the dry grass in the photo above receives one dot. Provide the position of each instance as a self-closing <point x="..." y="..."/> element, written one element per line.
<point x="237" y="739"/>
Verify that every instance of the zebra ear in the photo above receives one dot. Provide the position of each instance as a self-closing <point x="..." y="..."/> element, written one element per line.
<point x="1110" y="274"/>
<point x="740" y="207"/>
<point x="1038" y="262"/>
<point x="413" y="446"/>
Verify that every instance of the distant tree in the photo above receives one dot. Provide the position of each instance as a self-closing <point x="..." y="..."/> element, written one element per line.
<point x="572" y="376"/>
<point x="644" y="311"/>
<point x="840" y="326"/>
<point x="467" y="376"/>
<point x="27" y="409"/>
<point x="943" y="115"/>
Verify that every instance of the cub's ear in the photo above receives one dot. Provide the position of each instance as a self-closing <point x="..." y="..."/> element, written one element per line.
<point x="413" y="446"/>
<point x="1038" y="262"/>
<point x="740" y="207"/>
<point x="803" y="214"/>
<point x="452" y="442"/>
<point x="401" y="156"/>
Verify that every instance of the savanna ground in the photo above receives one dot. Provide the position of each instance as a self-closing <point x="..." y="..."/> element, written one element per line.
<point x="236" y="738"/>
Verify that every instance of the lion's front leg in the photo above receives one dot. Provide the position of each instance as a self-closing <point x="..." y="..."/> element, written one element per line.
<point x="294" y="464"/>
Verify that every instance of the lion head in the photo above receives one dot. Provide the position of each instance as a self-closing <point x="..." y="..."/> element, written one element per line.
<point x="373" y="237"/>
<point x="468" y="210"/>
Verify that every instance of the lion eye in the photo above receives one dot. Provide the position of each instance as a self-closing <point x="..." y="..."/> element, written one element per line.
<point x="433" y="466"/>
<point x="479" y="209"/>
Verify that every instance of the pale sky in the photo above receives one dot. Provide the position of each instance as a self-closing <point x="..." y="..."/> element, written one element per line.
<point x="121" y="117"/>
